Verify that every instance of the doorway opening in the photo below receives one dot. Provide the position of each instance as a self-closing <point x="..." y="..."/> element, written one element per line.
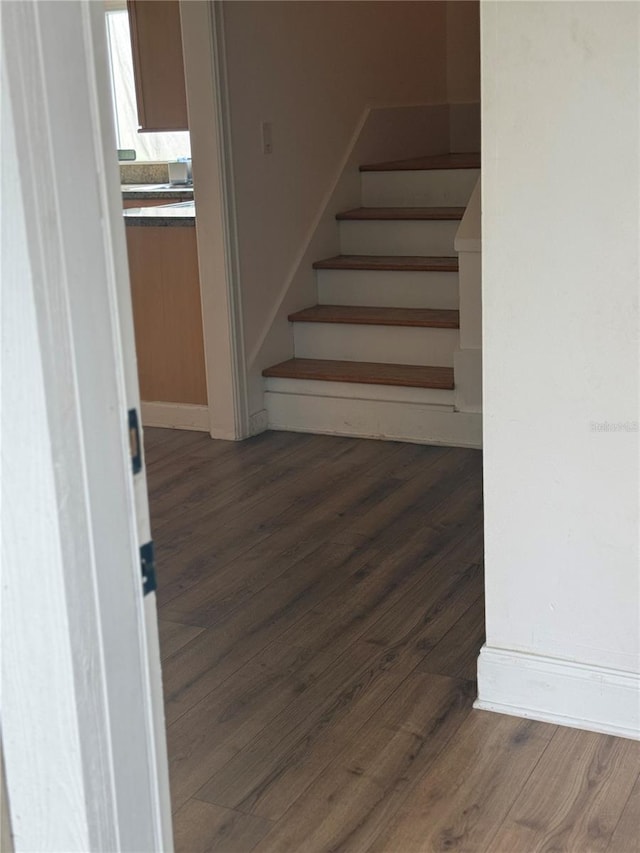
<point x="320" y="598"/>
<point x="320" y="604"/>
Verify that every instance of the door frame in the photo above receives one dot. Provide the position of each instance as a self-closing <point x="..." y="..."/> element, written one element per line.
<point x="83" y="734"/>
<point x="218" y="258"/>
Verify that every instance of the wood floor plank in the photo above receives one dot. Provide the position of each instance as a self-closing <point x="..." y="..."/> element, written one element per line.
<point x="201" y="491"/>
<point x="574" y="797"/>
<point x="468" y="791"/>
<point x="267" y="496"/>
<point x="456" y="654"/>
<point x="160" y="444"/>
<point x="366" y="460"/>
<point x="164" y="457"/>
<point x="324" y="499"/>
<point x="221" y="471"/>
<point x="185" y="556"/>
<point x="419" y="620"/>
<point x="626" y="836"/>
<point x="215" y="729"/>
<point x="209" y="533"/>
<point x="204" y="828"/>
<point x="204" y="663"/>
<point x="207" y="479"/>
<point x="272" y="446"/>
<point x="195" y="546"/>
<point x="409" y="461"/>
<point x="373" y="504"/>
<point x="174" y="635"/>
<point x="453" y="486"/>
<point x="268" y="775"/>
<point x="355" y="796"/>
<point x="216" y="595"/>
<point x="411" y="569"/>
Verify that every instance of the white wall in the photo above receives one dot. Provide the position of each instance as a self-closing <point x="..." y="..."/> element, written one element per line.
<point x="561" y="201"/>
<point x="311" y="69"/>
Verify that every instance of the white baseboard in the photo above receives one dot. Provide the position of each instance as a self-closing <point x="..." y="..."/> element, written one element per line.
<point x="384" y="419"/>
<point x="175" y="416"/>
<point x="559" y="691"/>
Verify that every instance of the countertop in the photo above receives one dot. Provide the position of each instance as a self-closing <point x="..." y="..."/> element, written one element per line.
<point x="180" y="214"/>
<point x="156" y="191"/>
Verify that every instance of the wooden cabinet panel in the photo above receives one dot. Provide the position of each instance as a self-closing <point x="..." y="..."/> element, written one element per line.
<point x="158" y="65"/>
<point x="165" y="289"/>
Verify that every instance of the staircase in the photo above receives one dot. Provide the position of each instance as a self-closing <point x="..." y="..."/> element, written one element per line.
<point x="375" y="356"/>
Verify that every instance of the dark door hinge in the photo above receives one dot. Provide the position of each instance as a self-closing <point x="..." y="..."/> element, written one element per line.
<point x="148" y="568"/>
<point x="134" y="442"/>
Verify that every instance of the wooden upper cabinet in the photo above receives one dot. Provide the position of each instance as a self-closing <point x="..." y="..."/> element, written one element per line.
<point x="158" y="65"/>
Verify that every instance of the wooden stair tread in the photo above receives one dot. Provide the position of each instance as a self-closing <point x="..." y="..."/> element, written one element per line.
<point x="402" y="213"/>
<point x="415" y="164"/>
<point x="389" y="262"/>
<point x="433" y="318"/>
<point x="365" y="372"/>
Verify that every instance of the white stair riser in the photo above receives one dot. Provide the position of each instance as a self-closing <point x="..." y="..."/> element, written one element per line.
<point x="361" y="391"/>
<point x="389" y="237"/>
<point x="388" y="288"/>
<point x="382" y="419"/>
<point x="427" y="188"/>
<point x="389" y="344"/>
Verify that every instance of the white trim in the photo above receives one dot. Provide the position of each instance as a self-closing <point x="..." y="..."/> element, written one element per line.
<point x="82" y="735"/>
<point x="559" y="691"/>
<point x="119" y="287"/>
<point x="209" y="125"/>
<point x="384" y="419"/>
<point x="175" y="416"/>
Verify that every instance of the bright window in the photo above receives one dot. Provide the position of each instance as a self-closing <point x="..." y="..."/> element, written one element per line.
<point x="148" y="146"/>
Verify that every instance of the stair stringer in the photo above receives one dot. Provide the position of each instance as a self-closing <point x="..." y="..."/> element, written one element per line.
<point x="382" y="133"/>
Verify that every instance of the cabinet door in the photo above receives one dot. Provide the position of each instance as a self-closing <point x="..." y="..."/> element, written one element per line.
<point x="158" y="66"/>
<point x="167" y="314"/>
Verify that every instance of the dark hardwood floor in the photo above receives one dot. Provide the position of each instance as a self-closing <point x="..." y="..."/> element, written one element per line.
<point x="321" y="612"/>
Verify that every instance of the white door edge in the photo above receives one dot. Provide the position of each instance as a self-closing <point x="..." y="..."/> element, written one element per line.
<point x="68" y="276"/>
